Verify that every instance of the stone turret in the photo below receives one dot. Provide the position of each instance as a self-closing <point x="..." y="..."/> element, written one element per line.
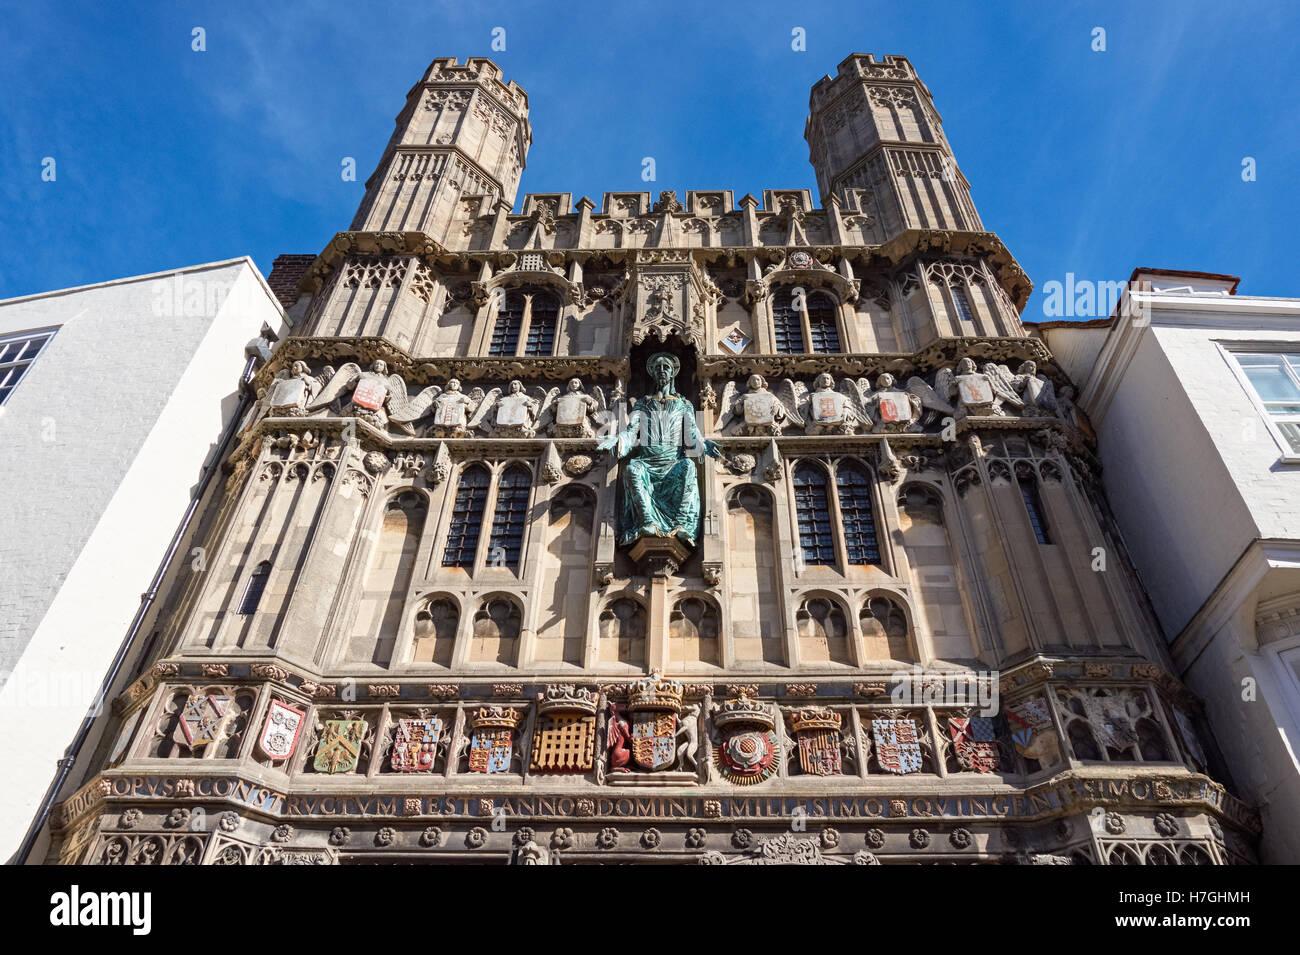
<point x="459" y="147"/>
<point x="877" y="145"/>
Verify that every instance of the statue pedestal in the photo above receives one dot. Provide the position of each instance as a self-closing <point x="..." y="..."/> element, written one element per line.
<point x="660" y="556"/>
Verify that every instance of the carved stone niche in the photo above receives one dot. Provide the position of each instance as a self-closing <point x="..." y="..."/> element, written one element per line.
<point x="668" y="296"/>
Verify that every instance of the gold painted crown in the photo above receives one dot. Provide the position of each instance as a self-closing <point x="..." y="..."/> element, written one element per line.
<point x="497" y="717"/>
<point x="655" y="693"/>
<point x="743" y="710"/>
<point x="815" y="718"/>
<point x="565" y="698"/>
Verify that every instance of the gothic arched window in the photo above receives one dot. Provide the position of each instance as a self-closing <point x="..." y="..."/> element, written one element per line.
<point x="467" y="517"/>
<point x="507" y="537"/>
<point x="787" y="323"/>
<point x="542" y="320"/>
<point x="1034" y="506"/>
<point x="812" y="507"/>
<point x="962" y="304"/>
<point x="253" y="590"/>
<point x="822" y="329"/>
<point x="856" y="514"/>
<point x="510" y="322"/>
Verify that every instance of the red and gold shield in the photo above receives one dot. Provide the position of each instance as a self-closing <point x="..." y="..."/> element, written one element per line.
<point x="370" y="393"/>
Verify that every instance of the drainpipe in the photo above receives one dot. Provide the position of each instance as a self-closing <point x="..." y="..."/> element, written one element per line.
<point x="69" y="760"/>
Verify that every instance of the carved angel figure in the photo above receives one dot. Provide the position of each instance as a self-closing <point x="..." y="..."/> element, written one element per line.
<point x="756" y="411"/>
<point x="517" y="413"/>
<point x="1037" y="391"/>
<point x="452" y="409"/>
<point x="576" y="414"/>
<point x="376" y="396"/>
<point x="979" y="392"/>
<point x="293" y="390"/>
<point x="828" y="409"/>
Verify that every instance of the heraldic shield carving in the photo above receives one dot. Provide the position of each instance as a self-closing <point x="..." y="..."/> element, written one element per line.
<point x="415" y="745"/>
<point x="564" y="736"/>
<point x="655" y="705"/>
<point x="339" y="748"/>
<point x="817" y="730"/>
<point x="1030" y="722"/>
<point x="898" y="748"/>
<point x="280" y="731"/>
<point x="203" y="718"/>
<point x="974" y="742"/>
<point x="491" y="745"/>
<point x="746" y="753"/>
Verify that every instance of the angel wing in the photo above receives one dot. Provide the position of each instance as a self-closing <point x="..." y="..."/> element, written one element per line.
<point x="929" y="397"/>
<point x="483" y="403"/>
<point x="344" y="377"/>
<point x="727" y="405"/>
<point x="546" y="405"/>
<point x="1003" y="382"/>
<point x="945" y="384"/>
<point x="859" y="393"/>
<point x="404" y="410"/>
<point x="793" y="395"/>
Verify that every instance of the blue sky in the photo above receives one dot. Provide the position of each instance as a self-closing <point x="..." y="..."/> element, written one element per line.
<point x="1085" y="162"/>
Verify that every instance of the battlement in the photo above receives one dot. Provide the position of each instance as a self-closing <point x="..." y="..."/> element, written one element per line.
<point x="447" y="70"/>
<point x="862" y="66"/>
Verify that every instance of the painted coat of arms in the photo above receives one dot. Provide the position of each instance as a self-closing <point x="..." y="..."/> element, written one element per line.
<point x="370" y="393"/>
<point x="1030" y="723"/>
<point x="974" y="742"/>
<point x="655" y="704"/>
<point x="817" y="730"/>
<point x="653" y="736"/>
<point x="415" y="745"/>
<point x="491" y="745"/>
<point x="746" y="753"/>
<point x="898" y="748"/>
<point x="894" y="406"/>
<point x="975" y="389"/>
<point x="203" y="717"/>
<point x="281" y="730"/>
<point x="339" y="748"/>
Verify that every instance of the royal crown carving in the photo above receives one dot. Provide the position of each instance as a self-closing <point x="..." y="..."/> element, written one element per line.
<point x="565" y="698"/>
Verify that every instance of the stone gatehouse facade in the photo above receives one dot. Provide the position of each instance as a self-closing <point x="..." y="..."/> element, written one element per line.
<point x="905" y="631"/>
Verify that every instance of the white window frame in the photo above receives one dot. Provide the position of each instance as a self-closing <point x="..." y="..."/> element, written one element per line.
<point x="1290" y="680"/>
<point x="24" y="365"/>
<point x="1231" y="351"/>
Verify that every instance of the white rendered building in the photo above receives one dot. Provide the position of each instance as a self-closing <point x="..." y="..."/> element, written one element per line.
<point x="1194" y="392"/>
<point x="113" y="398"/>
